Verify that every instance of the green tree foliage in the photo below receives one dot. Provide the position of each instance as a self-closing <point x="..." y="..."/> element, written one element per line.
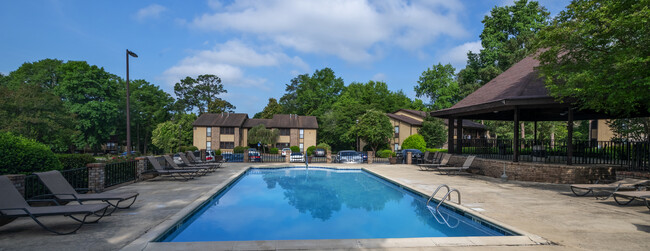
<point x="508" y="36"/>
<point x="150" y="106"/>
<point x="597" y="52"/>
<point x="310" y="150"/>
<point x="314" y="95"/>
<point x="271" y="109"/>
<point x="374" y="128"/>
<point x="92" y="94"/>
<point x="219" y="105"/>
<point x="43" y="73"/>
<point x="439" y="85"/>
<point x="324" y="146"/>
<point x="634" y="129"/>
<point x="185" y="121"/>
<point x="72" y="161"/>
<point x="165" y="136"/>
<point x="198" y="93"/>
<point x="386" y="154"/>
<point x="295" y="149"/>
<point x="20" y="155"/>
<point x="415" y="141"/>
<point x="260" y="134"/>
<point x="433" y="131"/>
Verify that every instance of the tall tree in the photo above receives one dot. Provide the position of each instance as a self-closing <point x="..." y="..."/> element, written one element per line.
<point x="312" y="95"/>
<point x="433" y="131"/>
<point x="43" y="73"/>
<point x="150" y="106"/>
<point x="374" y="128"/>
<point x="260" y="134"/>
<point x="198" y="93"/>
<point x="165" y="136"/>
<point x="219" y="105"/>
<point x="271" y="109"/>
<point x="439" y="85"/>
<point x="508" y="36"/>
<point x="597" y="53"/>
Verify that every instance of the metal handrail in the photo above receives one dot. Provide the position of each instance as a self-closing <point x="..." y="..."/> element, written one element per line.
<point x="447" y="197"/>
<point x="434" y="193"/>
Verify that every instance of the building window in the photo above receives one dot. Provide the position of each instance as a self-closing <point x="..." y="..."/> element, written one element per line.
<point x="302" y="135"/>
<point x="301" y="147"/>
<point x="285" y="131"/>
<point x="282" y="145"/>
<point x="396" y="147"/>
<point x="397" y="132"/>
<point x="226" y="145"/>
<point x="208" y="132"/>
<point x="227" y="130"/>
<point x="208" y="145"/>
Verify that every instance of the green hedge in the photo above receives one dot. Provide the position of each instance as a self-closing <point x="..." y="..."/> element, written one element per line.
<point x="324" y="146"/>
<point x="217" y="152"/>
<point x="433" y="150"/>
<point x="385" y="154"/>
<point x="72" y="161"/>
<point x="20" y="155"/>
<point x="239" y="149"/>
<point x="188" y="148"/>
<point x="310" y="150"/>
<point x="295" y="149"/>
<point x="415" y="141"/>
<point x="274" y="150"/>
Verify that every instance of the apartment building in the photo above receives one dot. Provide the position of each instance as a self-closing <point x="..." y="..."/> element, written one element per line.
<point x="228" y="130"/>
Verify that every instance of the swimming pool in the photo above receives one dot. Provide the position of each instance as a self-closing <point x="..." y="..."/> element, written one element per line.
<point x="319" y="203"/>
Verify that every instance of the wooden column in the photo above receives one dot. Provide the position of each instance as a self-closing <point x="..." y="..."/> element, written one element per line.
<point x="450" y="135"/>
<point x="515" y="139"/>
<point x="459" y="135"/>
<point x="535" y="133"/>
<point x="569" y="143"/>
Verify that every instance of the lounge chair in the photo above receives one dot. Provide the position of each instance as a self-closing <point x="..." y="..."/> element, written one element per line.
<point x="611" y="188"/>
<point x="62" y="191"/>
<point x="211" y="166"/>
<point x="176" y="174"/>
<point x="632" y="195"/>
<point x="434" y="166"/>
<point x="13" y="205"/>
<point x="194" y="160"/>
<point x="450" y="169"/>
<point x="199" y="170"/>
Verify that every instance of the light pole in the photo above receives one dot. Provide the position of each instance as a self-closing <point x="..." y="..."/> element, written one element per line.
<point x="128" y="104"/>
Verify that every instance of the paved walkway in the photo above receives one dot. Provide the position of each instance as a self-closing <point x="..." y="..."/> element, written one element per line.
<point x="547" y="210"/>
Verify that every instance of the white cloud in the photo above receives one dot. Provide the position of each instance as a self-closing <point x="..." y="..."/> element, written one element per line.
<point x="351" y="30"/>
<point x="379" y="77"/>
<point x="150" y="12"/>
<point x="457" y="56"/>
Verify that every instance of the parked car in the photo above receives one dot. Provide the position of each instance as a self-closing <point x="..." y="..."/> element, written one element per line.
<point x="132" y="153"/>
<point x="415" y="154"/>
<point x="177" y="159"/>
<point x="252" y="150"/>
<point x="297" y="157"/>
<point x="285" y="151"/>
<point x="209" y="155"/>
<point x="254" y="157"/>
<point x="349" y="156"/>
<point x="319" y="152"/>
<point x="364" y="155"/>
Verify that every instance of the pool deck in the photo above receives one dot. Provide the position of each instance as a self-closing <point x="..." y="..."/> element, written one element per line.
<point x="552" y="216"/>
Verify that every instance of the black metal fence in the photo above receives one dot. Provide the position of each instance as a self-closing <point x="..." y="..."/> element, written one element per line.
<point x="78" y="178"/>
<point x="120" y="172"/>
<point x="634" y="155"/>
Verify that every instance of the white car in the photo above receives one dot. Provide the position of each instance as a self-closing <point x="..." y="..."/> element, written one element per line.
<point x="297" y="157"/>
<point x="285" y="151"/>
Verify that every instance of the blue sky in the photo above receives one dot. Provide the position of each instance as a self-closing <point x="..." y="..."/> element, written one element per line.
<point x="256" y="47"/>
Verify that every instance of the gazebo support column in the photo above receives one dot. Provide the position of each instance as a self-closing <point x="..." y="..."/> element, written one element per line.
<point x="535" y="133"/>
<point x="450" y="135"/>
<point x="459" y="135"/>
<point x="515" y="139"/>
<point x="569" y="143"/>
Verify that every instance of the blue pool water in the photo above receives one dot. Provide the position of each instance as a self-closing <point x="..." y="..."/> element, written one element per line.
<point x="295" y="203"/>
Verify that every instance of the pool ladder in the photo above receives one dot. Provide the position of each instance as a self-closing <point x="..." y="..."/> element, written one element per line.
<point x="446" y="197"/>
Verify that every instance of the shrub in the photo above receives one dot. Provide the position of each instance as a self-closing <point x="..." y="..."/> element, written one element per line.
<point x="188" y="148"/>
<point x="19" y="155"/>
<point x="385" y="154"/>
<point x="274" y="150"/>
<point x="239" y="149"/>
<point x="415" y="141"/>
<point x="433" y="150"/>
<point x="295" y="149"/>
<point x="324" y="146"/>
<point x="217" y="152"/>
<point x="72" y="161"/>
<point x="310" y="150"/>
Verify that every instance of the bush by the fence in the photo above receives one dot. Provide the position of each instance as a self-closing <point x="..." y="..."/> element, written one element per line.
<point x="415" y="141"/>
<point x="217" y="152"/>
<point x="274" y="150"/>
<point x="310" y="150"/>
<point x="239" y="149"/>
<point x="324" y="146"/>
<point x="72" y="161"/>
<point x="385" y="154"/>
<point x="20" y="155"/>
<point x="433" y="150"/>
<point x="188" y="148"/>
<point x="295" y="149"/>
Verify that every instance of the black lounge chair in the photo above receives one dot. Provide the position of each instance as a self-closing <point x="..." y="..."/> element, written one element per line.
<point x="176" y="174"/>
<point x="62" y="191"/>
<point x="609" y="188"/>
<point x="211" y="166"/>
<point x="435" y="166"/>
<point x="631" y="196"/>
<point x="450" y="169"/>
<point x="13" y="205"/>
<point x="199" y="170"/>
<point x="194" y="160"/>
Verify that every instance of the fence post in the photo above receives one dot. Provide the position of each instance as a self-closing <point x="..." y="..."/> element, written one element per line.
<point x="96" y="175"/>
<point x="329" y="156"/>
<point x="19" y="182"/>
<point x="371" y="155"/>
<point x="142" y="166"/>
<point x="203" y="154"/>
<point x="409" y="158"/>
<point x="246" y="156"/>
<point x="287" y="157"/>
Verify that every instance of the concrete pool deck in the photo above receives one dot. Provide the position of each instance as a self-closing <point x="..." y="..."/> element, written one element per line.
<point x="550" y="211"/>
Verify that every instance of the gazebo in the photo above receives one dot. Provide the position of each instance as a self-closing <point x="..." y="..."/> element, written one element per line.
<point x="518" y="94"/>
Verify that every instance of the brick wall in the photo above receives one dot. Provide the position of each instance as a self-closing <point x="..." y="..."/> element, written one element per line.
<point x="539" y="172"/>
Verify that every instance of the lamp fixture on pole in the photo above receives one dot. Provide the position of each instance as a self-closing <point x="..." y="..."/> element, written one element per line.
<point x="128" y="104"/>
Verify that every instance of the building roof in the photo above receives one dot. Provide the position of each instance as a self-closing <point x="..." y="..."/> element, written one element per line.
<point x="242" y="120"/>
<point x="466" y="123"/>
<point x="404" y="119"/>
<point x="414" y="112"/>
<point x="221" y="119"/>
